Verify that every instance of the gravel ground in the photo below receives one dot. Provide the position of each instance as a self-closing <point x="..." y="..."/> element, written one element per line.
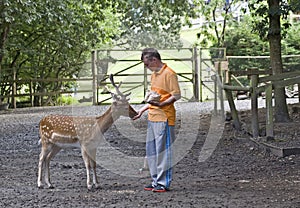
<point x="212" y="167"/>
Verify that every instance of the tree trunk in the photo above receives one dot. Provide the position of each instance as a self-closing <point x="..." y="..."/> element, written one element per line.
<point x="3" y="36"/>
<point x="274" y="36"/>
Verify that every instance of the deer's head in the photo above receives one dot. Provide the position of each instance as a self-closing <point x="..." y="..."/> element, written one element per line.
<point x="120" y="105"/>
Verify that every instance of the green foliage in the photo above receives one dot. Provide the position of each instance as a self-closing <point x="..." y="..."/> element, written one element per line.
<point x="292" y="40"/>
<point x="291" y="47"/>
<point x="261" y="14"/>
<point x="51" y="39"/>
<point x="295" y="5"/>
<point x="217" y="16"/>
<point x="243" y="42"/>
<point x="152" y="23"/>
<point x="66" y="100"/>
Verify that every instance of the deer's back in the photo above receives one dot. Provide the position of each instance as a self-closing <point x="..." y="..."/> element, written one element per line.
<point x="66" y="129"/>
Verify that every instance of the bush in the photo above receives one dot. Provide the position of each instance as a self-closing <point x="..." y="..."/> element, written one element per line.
<point x="66" y="100"/>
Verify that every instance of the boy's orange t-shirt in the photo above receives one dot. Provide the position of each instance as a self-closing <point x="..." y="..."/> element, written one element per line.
<point x="165" y="83"/>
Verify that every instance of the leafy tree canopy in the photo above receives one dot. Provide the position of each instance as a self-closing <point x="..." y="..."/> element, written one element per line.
<point x="153" y="23"/>
<point x="49" y="39"/>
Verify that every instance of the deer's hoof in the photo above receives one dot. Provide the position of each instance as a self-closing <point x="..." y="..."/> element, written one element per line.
<point x="89" y="187"/>
<point x="50" y="186"/>
<point x="97" y="186"/>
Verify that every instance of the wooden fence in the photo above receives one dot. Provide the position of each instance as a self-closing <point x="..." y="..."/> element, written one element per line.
<point x="261" y="81"/>
<point x="29" y="83"/>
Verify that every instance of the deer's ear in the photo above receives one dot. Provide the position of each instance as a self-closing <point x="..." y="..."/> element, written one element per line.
<point x="106" y="89"/>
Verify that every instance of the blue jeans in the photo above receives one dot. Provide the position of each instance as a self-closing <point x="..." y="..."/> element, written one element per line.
<point x="160" y="137"/>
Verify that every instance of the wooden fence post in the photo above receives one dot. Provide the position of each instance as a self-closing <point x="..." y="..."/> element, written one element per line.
<point x="31" y="92"/>
<point x="269" y="108"/>
<point x="220" y="90"/>
<point x="254" y="103"/>
<point x="14" y="89"/>
<point x="196" y="75"/>
<point x="200" y="77"/>
<point x="94" y="67"/>
<point x="234" y="113"/>
<point x="214" y="78"/>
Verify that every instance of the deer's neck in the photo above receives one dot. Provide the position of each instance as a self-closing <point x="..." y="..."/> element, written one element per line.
<point x="106" y="120"/>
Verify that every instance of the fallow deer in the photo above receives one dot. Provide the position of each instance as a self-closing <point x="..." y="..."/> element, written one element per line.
<point x="60" y="131"/>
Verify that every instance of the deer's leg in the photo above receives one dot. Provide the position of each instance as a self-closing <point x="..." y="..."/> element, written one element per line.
<point x="41" y="166"/>
<point x="86" y="159"/>
<point x="53" y="151"/>
<point x="93" y="166"/>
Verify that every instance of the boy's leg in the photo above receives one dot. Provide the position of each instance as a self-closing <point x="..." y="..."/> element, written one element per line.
<point x="164" y="155"/>
<point x="151" y="152"/>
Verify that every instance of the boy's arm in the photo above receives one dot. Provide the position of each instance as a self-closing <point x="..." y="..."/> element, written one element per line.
<point x="141" y="111"/>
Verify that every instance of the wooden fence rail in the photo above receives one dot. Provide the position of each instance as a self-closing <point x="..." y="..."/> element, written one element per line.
<point x="31" y="93"/>
<point x="260" y="84"/>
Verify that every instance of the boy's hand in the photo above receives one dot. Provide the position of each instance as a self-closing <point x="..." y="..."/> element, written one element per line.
<point x="155" y="103"/>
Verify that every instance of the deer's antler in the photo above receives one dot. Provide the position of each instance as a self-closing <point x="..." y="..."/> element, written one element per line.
<point x="123" y="96"/>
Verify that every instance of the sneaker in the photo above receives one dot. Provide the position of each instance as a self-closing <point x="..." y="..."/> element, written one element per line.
<point x="149" y="188"/>
<point x="159" y="188"/>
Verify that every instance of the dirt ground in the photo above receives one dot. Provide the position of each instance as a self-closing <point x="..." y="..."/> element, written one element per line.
<point x="236" y="174"/>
